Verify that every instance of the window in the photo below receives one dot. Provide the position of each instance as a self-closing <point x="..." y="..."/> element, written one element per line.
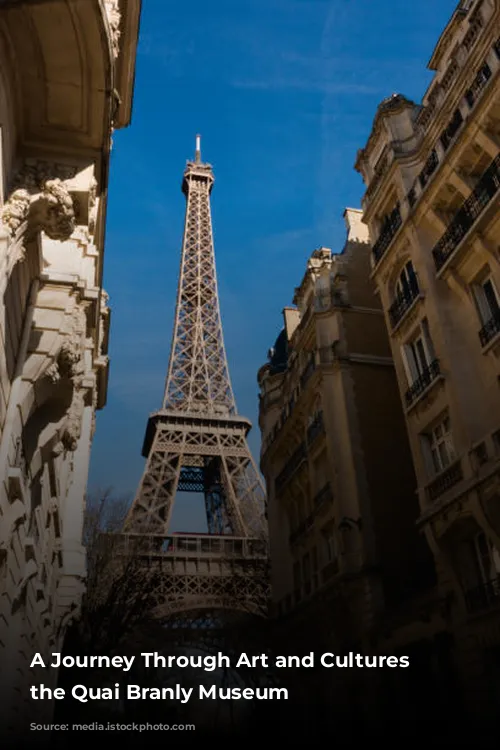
<point x="479" y="570"/>
<point x="486" y="557"/>
<point x="404" y="293"/>
<point x="479" y="455"/>
<point x="406" y="285"/>
<point x="438" y="442"/>
<point x="329" y="546"/>
<point x="418" y="353"/>
<point x="487" y="300"/>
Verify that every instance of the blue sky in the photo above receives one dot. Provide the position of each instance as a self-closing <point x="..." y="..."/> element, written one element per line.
<point x="283" y="93"/>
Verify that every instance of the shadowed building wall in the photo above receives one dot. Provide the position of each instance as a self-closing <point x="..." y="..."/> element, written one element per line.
<point x="66" y="82"/>
<point x="342" y="504"/>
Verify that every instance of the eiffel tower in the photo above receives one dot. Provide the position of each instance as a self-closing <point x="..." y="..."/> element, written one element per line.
<point x="197" y="442"/>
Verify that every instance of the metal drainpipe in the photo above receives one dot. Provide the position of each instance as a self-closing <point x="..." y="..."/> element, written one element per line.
<point x="16" y="383"/>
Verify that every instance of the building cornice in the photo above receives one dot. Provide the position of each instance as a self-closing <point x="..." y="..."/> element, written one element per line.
<point x="130" y="11"/>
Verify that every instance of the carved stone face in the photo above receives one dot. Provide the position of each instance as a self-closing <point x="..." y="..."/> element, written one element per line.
<point x="51" y="211"/>
<point x="15" y="210"/>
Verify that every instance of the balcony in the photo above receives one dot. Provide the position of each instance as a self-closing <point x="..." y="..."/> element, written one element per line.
<point x="302" y="529"/>
<point x="483" y="597"/>
<point x="291" y="466"/>
<point x="430" y="167"/>
<point x="451" y="130"/>
<point x="308" y="370"/>
<point x="478" y="85"/>
<point x="471" y="97"/>
<point x="403" y="302"/>
<point x="391" y="225"/>
<point x="324" y="355"/>
<point x="471" y="209"/>
<point x="429" y="375"/>
<point x="490" y="329"/>
<point x="445" y="481"/>
<point x="316" y="428"/>
<point x="323" y="496"/>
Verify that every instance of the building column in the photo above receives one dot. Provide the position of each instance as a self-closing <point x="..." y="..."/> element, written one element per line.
<point x="73" y="551"/>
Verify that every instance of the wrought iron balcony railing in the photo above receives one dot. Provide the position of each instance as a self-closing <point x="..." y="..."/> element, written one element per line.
<point x="451" y="129"/>
<point x="308" y="370"/>
<point x="471" y="209"/>
<point x="389" y="229"/>
<point x="291" y="466"/>
<point x="478" y="85"/>
<point x="484" y="596"/>
<point x="430" y="167"/>
<point x="403" y="302"/>
<point x="424" y="380"/>
<point x="319" y="499"/>
<point x="490" y="329"/>
<point x="302" y="529"/>
<point x="315" y="428"/>
<point x="445" y="481"/>
<point x="324" y="495"/>
<point x="470" y="98"/>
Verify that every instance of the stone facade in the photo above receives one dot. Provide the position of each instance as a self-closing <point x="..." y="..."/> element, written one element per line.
<point x="62" y="93"/>
<point x="342" y="506"/>
<point x="432" y="176"/>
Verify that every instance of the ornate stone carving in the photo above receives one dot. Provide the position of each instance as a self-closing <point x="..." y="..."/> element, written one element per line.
<point x="69" y="367"/>
<point x="58" y="449"/>
<point x="41" y="199"/>
<point x="73" y="426"/>
<point x="69" y="363"/>
<point x="92" y="206"/>
<point x="52" y="372"/>
<point x="34" y="174"/>
<point x="16" y="210"/>
<point x="53" y="211"/>
<point x="94" y="409"/>
<point x="114" y="16"/>
<point x="103" y="323"/>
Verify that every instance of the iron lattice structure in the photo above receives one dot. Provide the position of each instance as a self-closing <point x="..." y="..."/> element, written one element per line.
<point x="198" y="443"/>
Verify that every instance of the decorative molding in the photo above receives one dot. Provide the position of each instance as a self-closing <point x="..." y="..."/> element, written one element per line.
<point x="36" y="172"/>
<point x="41" y="201"/>
<point x="112" y="8"/>
<point x="53" y="212"/>
<point x="15" y="211"/>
